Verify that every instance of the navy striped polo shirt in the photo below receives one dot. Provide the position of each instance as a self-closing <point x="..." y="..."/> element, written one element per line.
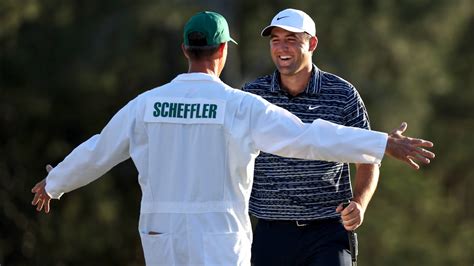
<point x="295" y="189"/>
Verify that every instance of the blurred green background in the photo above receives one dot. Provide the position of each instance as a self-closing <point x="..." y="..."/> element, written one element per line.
<point x="67" y="66"/>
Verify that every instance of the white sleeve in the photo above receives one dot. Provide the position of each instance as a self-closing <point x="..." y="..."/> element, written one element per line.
<point x="94" y="157"/>
<point x="277" y="131"/>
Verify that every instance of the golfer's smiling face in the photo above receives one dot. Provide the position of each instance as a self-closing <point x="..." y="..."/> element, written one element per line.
<point x="290" y="51"/>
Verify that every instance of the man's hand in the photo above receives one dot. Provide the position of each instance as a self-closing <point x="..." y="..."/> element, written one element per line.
<point x="352" y="216"/>
<point x="41" y="198"/>
<point x="408" y="149"/>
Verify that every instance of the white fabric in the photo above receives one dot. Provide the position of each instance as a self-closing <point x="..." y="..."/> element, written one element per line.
<point x="196" y="178"/>
<point x="292" y="20"/>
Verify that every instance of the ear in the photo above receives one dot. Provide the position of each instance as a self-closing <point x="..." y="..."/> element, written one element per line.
<point x="221" y="49"/>
<point x="184" y="51"/>
<point x="313" y="43"/>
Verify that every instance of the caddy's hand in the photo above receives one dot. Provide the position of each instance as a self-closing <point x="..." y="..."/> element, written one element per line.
<point x="41" y="198"/>
<point x="408" y="149"/>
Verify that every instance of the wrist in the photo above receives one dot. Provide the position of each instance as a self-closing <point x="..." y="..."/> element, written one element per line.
<point x="360" y="203"/>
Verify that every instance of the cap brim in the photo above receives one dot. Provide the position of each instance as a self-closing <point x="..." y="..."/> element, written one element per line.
<point x="267" y="30"/>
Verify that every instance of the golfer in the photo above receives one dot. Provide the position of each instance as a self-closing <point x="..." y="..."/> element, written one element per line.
<point x="194" y="143"/>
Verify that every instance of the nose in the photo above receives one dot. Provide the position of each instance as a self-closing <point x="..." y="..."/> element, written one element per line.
<point x="281" y="46"/>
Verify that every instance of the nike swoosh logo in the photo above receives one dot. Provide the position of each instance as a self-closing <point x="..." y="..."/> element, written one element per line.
<point x="313" y="107"/>
<point x="282" y="17"/>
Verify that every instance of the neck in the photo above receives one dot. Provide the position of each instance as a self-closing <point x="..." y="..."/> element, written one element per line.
<point x="204" y="66"/>
<point x="296" y="83"/>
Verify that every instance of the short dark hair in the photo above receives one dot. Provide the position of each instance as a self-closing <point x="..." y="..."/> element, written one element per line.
<point x="198" y="48"/>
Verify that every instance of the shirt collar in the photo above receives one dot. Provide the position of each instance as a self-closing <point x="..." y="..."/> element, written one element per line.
<point x="196" y="76"/>
<point x="313" y="86"/>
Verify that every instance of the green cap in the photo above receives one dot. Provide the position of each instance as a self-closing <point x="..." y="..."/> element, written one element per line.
<point x="210" y="24"/>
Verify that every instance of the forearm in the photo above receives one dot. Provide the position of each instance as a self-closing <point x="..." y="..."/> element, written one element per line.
<point x="321" y="140"/>
<point x="87" y="162"/>
<point x="366" y="180"/>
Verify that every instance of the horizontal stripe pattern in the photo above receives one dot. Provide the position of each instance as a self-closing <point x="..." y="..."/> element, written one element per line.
<point x="294" y="189"/>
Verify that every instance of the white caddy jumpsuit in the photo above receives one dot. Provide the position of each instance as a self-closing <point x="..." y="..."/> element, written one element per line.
<point x="194" y="143"/>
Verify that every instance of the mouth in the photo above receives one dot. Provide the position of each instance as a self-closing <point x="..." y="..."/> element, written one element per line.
<point x="284" y="60"/>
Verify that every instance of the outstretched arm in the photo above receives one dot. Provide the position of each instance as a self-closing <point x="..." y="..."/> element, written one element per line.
<point x="407" y="149"/>
<point x="277" y="131"/>
<point x="41" y="198"/>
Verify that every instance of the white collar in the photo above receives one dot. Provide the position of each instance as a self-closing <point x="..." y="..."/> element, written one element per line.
<point x="196" y="76"/>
